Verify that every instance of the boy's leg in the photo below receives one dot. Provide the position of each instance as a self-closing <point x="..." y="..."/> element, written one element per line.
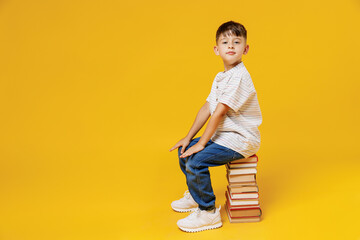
<point x="182" y="161"/>
<point x="187" y="203"/>
<point x="197" y="172"/>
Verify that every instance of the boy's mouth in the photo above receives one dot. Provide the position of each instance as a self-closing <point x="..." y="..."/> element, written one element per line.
<point x="231" y="53"/>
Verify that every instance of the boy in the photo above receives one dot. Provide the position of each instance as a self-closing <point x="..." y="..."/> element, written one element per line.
<point x="232" y="132"/>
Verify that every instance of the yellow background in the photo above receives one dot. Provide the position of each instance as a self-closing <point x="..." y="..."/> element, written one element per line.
<point x="93" y="95"/>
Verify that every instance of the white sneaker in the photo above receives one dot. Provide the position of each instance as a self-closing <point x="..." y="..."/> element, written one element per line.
<point x="201" y="220"/>
<point x="185" y="204"/>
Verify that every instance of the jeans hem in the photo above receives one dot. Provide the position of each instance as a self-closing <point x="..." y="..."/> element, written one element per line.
<point x="207" y="208"/>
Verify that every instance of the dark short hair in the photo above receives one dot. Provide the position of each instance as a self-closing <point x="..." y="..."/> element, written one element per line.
<point x="231" y="28"/>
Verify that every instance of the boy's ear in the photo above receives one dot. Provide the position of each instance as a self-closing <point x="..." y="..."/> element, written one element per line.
<point x="216" y="50"/>
<point x="246" y="50"/>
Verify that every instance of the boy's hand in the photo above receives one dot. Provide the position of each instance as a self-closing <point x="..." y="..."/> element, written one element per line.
<point x="194" y="149"/>
<point x="182" y="143"/>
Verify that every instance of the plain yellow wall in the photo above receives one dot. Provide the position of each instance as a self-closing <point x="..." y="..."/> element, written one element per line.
<point x="93" y="94"/>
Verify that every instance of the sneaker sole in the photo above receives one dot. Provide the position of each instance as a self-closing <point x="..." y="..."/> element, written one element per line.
<point x="183" y="210"/>
<point x="209" y="227"/>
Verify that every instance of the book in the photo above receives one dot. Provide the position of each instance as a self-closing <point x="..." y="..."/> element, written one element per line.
<point x="244" y="195"/>
<point x="246" y="178"/>
<point x="241" y="202"/>
<point x="240" y="188"/>
<point x="238" y="171"/>
<point x="241" y="219"/>
<point x="251" y="159"/>
<point x="241" y="165"/>
<point x="243" y="211"/>
<point x="240" y="184"/>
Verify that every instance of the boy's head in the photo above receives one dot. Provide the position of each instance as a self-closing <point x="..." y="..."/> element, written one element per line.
<point x="231" y="42"/>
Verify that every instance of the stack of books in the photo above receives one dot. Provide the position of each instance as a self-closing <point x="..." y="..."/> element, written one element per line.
<point x="242" y="195"/>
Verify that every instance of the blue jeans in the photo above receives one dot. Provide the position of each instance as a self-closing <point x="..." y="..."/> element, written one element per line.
<point x="196" y="169"/>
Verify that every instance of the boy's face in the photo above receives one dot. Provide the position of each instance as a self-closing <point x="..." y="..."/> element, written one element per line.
<point x="231" y="48"/>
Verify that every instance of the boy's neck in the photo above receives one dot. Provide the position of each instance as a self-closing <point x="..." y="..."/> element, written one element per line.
<point x="228" y="67"/>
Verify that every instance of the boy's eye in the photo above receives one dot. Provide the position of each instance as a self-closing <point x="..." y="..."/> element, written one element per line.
<point x="226" y="42"/>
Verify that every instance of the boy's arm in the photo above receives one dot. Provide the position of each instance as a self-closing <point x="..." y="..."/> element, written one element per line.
<point x="216" y="118"/>
<point x="201" y="118"/>
<point x="219" y="113"/>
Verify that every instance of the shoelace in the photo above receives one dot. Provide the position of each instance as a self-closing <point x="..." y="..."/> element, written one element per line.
<point x="195" y="212"/>
<point x="187" y="194"/>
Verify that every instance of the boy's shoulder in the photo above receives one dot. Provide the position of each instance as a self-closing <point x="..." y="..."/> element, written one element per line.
<point x="243" y="75"/>
<point x="243" y="71"/>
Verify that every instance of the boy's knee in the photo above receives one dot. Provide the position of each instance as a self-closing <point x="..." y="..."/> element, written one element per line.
<point x="190" y="166"/>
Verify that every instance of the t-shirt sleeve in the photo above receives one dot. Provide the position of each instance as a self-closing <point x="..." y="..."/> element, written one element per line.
<point x="236" y="93"/>
<point x="208" y="98"/>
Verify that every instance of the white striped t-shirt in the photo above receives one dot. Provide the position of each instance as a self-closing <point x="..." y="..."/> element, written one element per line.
<point x="239" y="128"/>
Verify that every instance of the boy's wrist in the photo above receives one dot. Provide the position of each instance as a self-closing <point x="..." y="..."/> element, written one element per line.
<point x="187" y="137"/>
<point x="200" y="142"/>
